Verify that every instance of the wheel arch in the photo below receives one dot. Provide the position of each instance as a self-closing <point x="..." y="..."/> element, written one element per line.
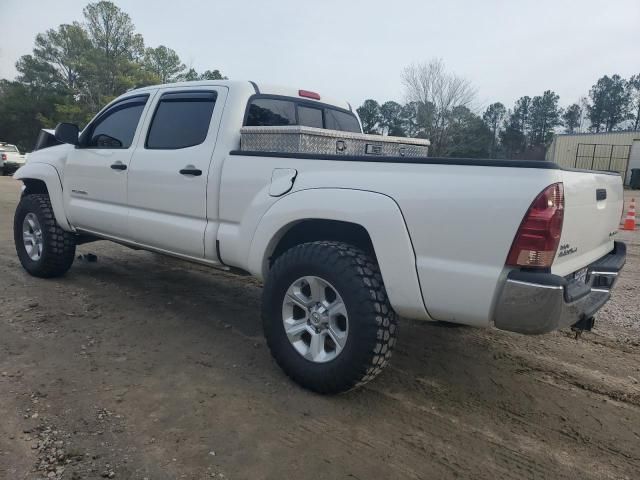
<point x="368" y="220"/>
<point x="314" y="229"/>
<point x="44" y="178"/>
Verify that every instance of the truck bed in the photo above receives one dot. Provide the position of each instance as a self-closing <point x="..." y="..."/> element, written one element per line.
<point x="462" y="217"/>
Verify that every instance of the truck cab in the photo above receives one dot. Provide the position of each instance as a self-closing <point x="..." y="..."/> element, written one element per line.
<point x="146" y="169"/>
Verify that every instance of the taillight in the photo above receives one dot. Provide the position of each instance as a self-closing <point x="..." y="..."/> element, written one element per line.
<point x="308" y="94"/>
<point x="4" y="156"/>
<point x="537" y="239"/>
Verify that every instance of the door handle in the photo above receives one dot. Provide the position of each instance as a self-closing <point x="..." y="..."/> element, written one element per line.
<point x="191" y="171"/>
<point x="118" y="166"/>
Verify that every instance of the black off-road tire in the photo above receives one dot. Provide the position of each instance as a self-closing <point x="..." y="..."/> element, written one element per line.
<point x="372" y="321"/>
<point x="59" y="246"/>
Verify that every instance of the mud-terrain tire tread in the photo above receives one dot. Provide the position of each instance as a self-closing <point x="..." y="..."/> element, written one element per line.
<point x="373" y="324"/>
<point x="59" y="247"/>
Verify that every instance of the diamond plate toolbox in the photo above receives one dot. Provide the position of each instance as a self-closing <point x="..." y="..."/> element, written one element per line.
<point x="297" y="139"/>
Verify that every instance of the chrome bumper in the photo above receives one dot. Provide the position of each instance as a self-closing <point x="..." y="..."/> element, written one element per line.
<point x="533" y="302"/>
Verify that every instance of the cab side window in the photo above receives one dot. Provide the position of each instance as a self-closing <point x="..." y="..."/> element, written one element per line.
<point x="116" y="127"/>
<point x="181" y="120"/>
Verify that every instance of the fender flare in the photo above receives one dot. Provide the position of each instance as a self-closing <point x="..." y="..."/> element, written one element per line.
<point x="378" y="214"/>
<point x="49" y="175"/>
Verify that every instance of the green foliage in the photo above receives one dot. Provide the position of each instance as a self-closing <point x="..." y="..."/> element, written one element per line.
<point x="610" y="99"/>
<point x="409" y="119"/>
<point x="369" y="113"/>
<point x="469" y="135"/>
<point x="391" y="120"/>
<point x="22" y="112"/>
<point x="572" y="117"/>
<point x="516" y="129"/>
<point x="75" y="69"/>
<point x="212" y="75"/>
<point x="163" y="62"/>
<point x="191" y="75"/>
<point x="544" y="118"/>
<point x="62" y="52"/>
<point x="530" y="125"/>
<point x="633" y="86"/>
<point x="512" y="138"/>
<point x="493" y="117"/>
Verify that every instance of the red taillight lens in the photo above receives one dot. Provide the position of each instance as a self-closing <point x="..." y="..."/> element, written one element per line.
<point x="4" y="156"/>
<point x="538" y="237"/>
<point x="308" y="94"/>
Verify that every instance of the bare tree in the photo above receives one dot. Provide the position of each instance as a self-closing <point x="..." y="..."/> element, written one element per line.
<point x="429" y="84"/>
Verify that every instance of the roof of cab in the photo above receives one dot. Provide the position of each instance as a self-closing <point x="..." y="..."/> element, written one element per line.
<point x="261" y="88"/>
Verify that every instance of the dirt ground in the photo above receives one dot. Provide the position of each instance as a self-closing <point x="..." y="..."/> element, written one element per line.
<point x="140" y="366"/>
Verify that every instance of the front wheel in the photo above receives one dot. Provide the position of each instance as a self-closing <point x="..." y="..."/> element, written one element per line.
<point x="44" y="249"/>
<point x="327" y="318"/>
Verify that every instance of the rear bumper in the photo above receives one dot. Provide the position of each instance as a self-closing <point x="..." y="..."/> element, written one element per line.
<point x="533" y="302"/>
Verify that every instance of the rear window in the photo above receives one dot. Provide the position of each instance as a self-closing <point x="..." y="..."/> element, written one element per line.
<point x="8" y="148"/>
<point x="181" y="120"/>
<point x="276" y="112"/>
<point x="310" y="117"/>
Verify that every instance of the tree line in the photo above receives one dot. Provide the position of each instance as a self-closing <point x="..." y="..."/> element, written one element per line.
<point x="440" y="107"/>
<point x="76" y="68"/>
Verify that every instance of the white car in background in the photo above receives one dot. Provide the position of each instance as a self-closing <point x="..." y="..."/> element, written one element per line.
<point x="10" y="158"/>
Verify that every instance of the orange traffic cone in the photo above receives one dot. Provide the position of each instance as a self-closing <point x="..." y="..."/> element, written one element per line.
<point x="630" y="221"/>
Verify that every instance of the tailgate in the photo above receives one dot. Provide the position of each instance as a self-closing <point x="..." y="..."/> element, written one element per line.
<point x="593" y="207"/>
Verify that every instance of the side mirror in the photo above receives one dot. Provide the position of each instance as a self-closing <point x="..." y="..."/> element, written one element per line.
<point x="67" y="133"/>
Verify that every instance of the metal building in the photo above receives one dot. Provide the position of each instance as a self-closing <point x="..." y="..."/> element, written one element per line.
<point x="596" y="151"/>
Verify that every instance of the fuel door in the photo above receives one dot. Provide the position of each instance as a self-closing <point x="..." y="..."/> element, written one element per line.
<point x="282" y="180"/>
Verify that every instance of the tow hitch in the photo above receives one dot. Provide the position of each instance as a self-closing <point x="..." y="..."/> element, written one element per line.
<point x="584" y="324"/>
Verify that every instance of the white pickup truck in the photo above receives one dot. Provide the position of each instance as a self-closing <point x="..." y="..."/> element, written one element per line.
<point x="10" y="158"/>
<point x="344" y="244"/>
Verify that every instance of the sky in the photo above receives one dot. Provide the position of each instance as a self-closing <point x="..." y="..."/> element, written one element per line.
<point x="355" y="50"/>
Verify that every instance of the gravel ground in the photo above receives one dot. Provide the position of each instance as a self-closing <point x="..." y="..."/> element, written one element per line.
<point x="139" y="366"/>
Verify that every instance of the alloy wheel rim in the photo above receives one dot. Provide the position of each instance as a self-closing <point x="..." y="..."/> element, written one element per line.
<point x="32" y="236"/>
<point x="315" y="319"/>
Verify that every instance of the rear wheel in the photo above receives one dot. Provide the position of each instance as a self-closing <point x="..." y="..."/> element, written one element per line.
<point x="44" y="249"/>
<point x="326" y="316"/>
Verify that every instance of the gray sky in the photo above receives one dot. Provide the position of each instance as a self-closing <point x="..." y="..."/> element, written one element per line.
<point x="357" y="49"/>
